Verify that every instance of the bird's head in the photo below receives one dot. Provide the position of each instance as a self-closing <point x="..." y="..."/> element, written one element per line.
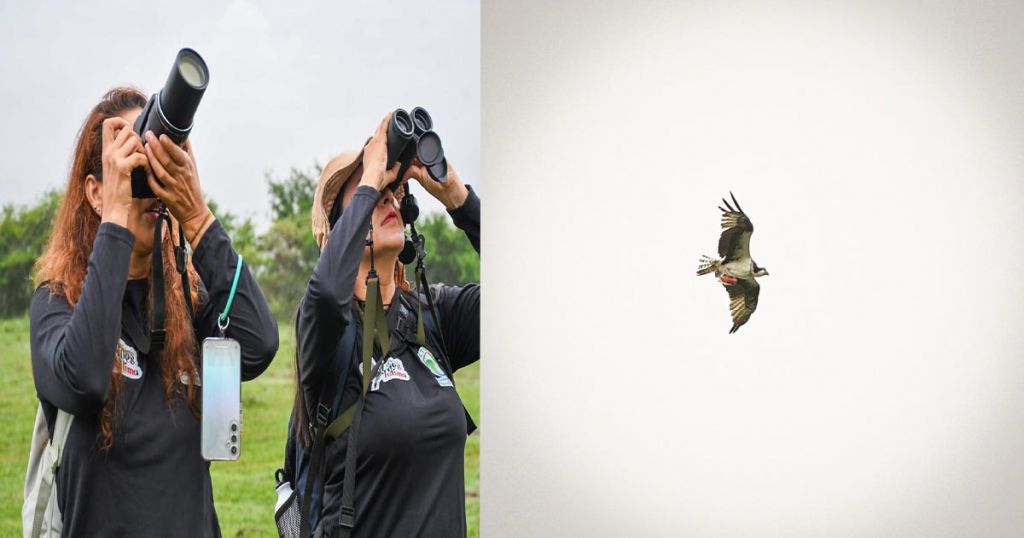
<point x="760" y="271"/>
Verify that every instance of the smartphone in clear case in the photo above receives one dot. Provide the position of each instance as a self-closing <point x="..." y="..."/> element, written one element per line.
<point x="222" y="399"/>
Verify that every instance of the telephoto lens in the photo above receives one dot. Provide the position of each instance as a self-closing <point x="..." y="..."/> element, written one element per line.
<point x="181" y="94"/>
<point x="400" y="133"/>
<point x="171" y="110"/>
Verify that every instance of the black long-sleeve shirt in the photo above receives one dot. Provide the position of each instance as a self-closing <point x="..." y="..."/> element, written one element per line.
<point x="412" y="437"/>
<point x="153" y="480"/>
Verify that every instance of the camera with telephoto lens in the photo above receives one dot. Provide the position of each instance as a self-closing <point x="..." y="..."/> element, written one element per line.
<point x="170" y="111"/>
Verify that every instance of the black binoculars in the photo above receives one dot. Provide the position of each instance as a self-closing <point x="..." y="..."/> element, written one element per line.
<point x="410" y="135"/>
<point x="171" y="110"/>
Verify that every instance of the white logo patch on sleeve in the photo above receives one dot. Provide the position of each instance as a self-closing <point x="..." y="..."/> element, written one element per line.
<point x="129" y="358"/>
<point x="391" y="369"/>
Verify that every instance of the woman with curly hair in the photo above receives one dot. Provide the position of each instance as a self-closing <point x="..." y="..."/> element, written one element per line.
<point x="131" y="464"/>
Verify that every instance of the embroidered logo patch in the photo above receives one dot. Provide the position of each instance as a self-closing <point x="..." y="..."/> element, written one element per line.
<point x="391" y="369"/>
<point x="129" y="358"/>
<point x="431" y="363"/>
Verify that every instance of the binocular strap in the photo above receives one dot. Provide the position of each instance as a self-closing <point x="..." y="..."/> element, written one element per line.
<point x="424" y="288"/>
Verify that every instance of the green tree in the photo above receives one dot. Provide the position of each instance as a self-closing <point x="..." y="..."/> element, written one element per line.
<point x="450" y="256"/>
<point x="291" y="256"/>
<point x="243" y="236"/>
<point x="24" y="232"/>
<point x="293" y="195"/>
<point x="288" y="248"/>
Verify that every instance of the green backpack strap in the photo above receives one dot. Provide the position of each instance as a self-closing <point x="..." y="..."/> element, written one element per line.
<point x="375" y="329"/>
<point x="340" y="423"/>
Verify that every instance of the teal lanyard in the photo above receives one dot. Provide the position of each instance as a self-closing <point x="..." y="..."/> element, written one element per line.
<point x="223" y="321"/>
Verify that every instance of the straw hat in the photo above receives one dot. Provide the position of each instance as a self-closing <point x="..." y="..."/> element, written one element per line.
<point x="337" y="172"/>
<point x="332" y="182"/>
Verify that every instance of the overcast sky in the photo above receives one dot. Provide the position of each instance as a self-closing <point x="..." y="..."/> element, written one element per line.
<point x="291" y="83"/>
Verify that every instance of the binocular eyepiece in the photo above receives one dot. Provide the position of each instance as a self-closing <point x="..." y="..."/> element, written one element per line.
<point x="410" y="134"/>
<point x="171" y="110"/>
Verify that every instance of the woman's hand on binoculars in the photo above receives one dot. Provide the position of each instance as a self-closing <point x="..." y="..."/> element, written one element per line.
<point x="452" y="193"/>
<point x="375" y="159"/>
<point x="178" y="185"/>
<point x="122" y="152"/>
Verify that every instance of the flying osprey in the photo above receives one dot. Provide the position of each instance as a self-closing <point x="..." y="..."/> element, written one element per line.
<point x="736" y="270"/>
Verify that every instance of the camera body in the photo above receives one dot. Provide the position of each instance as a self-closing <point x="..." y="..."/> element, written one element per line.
<point x="171" y="110"/>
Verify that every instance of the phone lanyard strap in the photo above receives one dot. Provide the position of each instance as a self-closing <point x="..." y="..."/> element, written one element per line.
<point x="223" y="321"/>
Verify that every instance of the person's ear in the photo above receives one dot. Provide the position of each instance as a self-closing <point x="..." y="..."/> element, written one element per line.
<point x="94" y="193"/>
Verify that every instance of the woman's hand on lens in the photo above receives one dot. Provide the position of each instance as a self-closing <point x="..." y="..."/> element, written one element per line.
<point x="452" y="193"/>
<point x="176" y="181"/>
<point x="122" y="153"/>
<point x="375" y="159"/>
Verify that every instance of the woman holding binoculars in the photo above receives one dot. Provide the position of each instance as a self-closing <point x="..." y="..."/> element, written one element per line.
<point x="131" y="464"/>
<point x="408" y="427"/>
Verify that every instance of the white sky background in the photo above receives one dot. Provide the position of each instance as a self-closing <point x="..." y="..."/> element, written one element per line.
<point x="877" y="390"/>
<point x="290" y="83"/>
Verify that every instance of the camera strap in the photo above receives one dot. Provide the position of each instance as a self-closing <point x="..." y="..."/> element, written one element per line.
<point x="180" y="256"/>
<point x="157" y="333"/>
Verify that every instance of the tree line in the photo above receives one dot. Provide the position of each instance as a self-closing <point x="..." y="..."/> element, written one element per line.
<point x="281" y="258"/>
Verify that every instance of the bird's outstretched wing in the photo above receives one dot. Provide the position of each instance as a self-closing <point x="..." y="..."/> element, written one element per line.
<point x="742" y="301"/>
<point x="734" y="243"/>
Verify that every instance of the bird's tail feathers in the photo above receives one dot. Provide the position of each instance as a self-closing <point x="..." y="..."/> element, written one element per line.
<point x="707" y="265"/>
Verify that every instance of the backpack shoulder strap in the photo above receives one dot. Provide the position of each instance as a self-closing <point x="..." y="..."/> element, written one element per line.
<point x="333" y="384"/>
<point x="347" y="346"/>
<point x="43" y="462"/>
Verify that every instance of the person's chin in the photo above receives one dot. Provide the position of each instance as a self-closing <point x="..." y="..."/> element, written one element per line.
<point x="144" y="228"/>
<point x="391" y="242"/>
<point x="142" y="249"/>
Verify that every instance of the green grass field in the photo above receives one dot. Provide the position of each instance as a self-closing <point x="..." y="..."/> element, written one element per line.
<point x="243" y="490"/>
